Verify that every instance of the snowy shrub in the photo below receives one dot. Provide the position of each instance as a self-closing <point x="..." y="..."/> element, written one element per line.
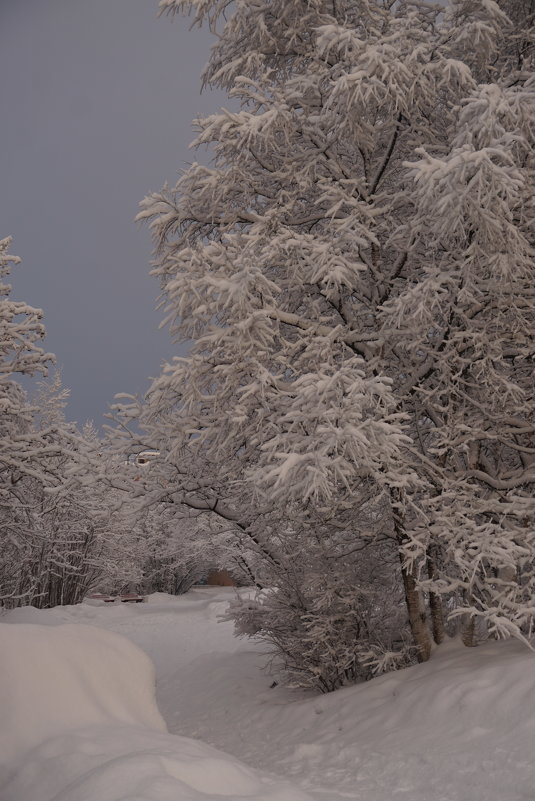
<point x="330" y="621"/>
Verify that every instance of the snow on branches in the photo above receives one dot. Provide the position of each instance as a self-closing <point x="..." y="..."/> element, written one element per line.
<point x="54" y="526"/>
<point x="355" y="272"/>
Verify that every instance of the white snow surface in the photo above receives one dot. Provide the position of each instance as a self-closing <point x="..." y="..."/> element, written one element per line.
<point x="78" y="721"/>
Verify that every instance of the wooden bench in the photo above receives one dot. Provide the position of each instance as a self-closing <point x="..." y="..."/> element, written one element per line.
<point x="125" y="598"/>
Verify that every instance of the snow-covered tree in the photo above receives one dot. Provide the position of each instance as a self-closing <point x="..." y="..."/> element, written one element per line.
<point x="465" y="323"/>
<point x="21" y="447"/>
<point x="55" y="521"/>
<point x="57" y="535"/>
<point x="355" y="272"/>
<point x="468" y="326"/>
<point x="21" y="331"/>
<point x="179" y="548"/>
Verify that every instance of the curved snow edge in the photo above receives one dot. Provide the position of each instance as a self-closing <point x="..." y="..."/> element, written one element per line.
<point x="81" y="722"/>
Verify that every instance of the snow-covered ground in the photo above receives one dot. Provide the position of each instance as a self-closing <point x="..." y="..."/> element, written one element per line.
<point x="78" y="720"/>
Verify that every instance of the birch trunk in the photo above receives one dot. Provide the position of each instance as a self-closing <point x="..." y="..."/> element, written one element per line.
<point x="417" y="616"/>
<point x="416" y="612"/>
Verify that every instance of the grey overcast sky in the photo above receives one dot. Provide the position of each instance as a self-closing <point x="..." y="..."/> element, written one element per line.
<point x="97" y="102"/>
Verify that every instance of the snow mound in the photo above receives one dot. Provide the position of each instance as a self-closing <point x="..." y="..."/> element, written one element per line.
<point x="58" y="678"/>
<point x="27" y="614"/>
<point x="460" y="727"/>
<point x="80" y="723"/>
<point x="125" y="763"/>
<point x="160" y="598"/>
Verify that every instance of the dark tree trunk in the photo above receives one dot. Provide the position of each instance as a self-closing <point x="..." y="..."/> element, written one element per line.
<point x="416" y="612"/>
<point x="468" y="633"/>
<point x="435" y="606"/>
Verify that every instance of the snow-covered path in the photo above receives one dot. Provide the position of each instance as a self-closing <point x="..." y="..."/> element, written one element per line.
<point x="460" y="728"/>
<point x="209" y="684"/>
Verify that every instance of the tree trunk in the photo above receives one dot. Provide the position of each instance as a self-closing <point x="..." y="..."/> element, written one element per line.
<point x="416" y="612"/>
<point x="468" y="632"/>
<point x="435" y="606"/>
<point x="417" y="616"/>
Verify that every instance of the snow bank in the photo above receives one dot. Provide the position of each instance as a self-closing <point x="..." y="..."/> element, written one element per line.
<point x="114" y="763"/>
<point x="460" y="727"/>
<point x="57" y="678"/>
<point x="80" y="723"/>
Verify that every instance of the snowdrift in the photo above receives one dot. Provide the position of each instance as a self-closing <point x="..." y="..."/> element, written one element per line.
<point x="458" y="728"/>
<point x="80" y="723"/>
<point x="54" y="679"/>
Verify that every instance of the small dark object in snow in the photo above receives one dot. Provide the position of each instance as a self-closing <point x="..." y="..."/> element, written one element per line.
<point x="131" y="598"/>
<point x="126" y="598"/>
